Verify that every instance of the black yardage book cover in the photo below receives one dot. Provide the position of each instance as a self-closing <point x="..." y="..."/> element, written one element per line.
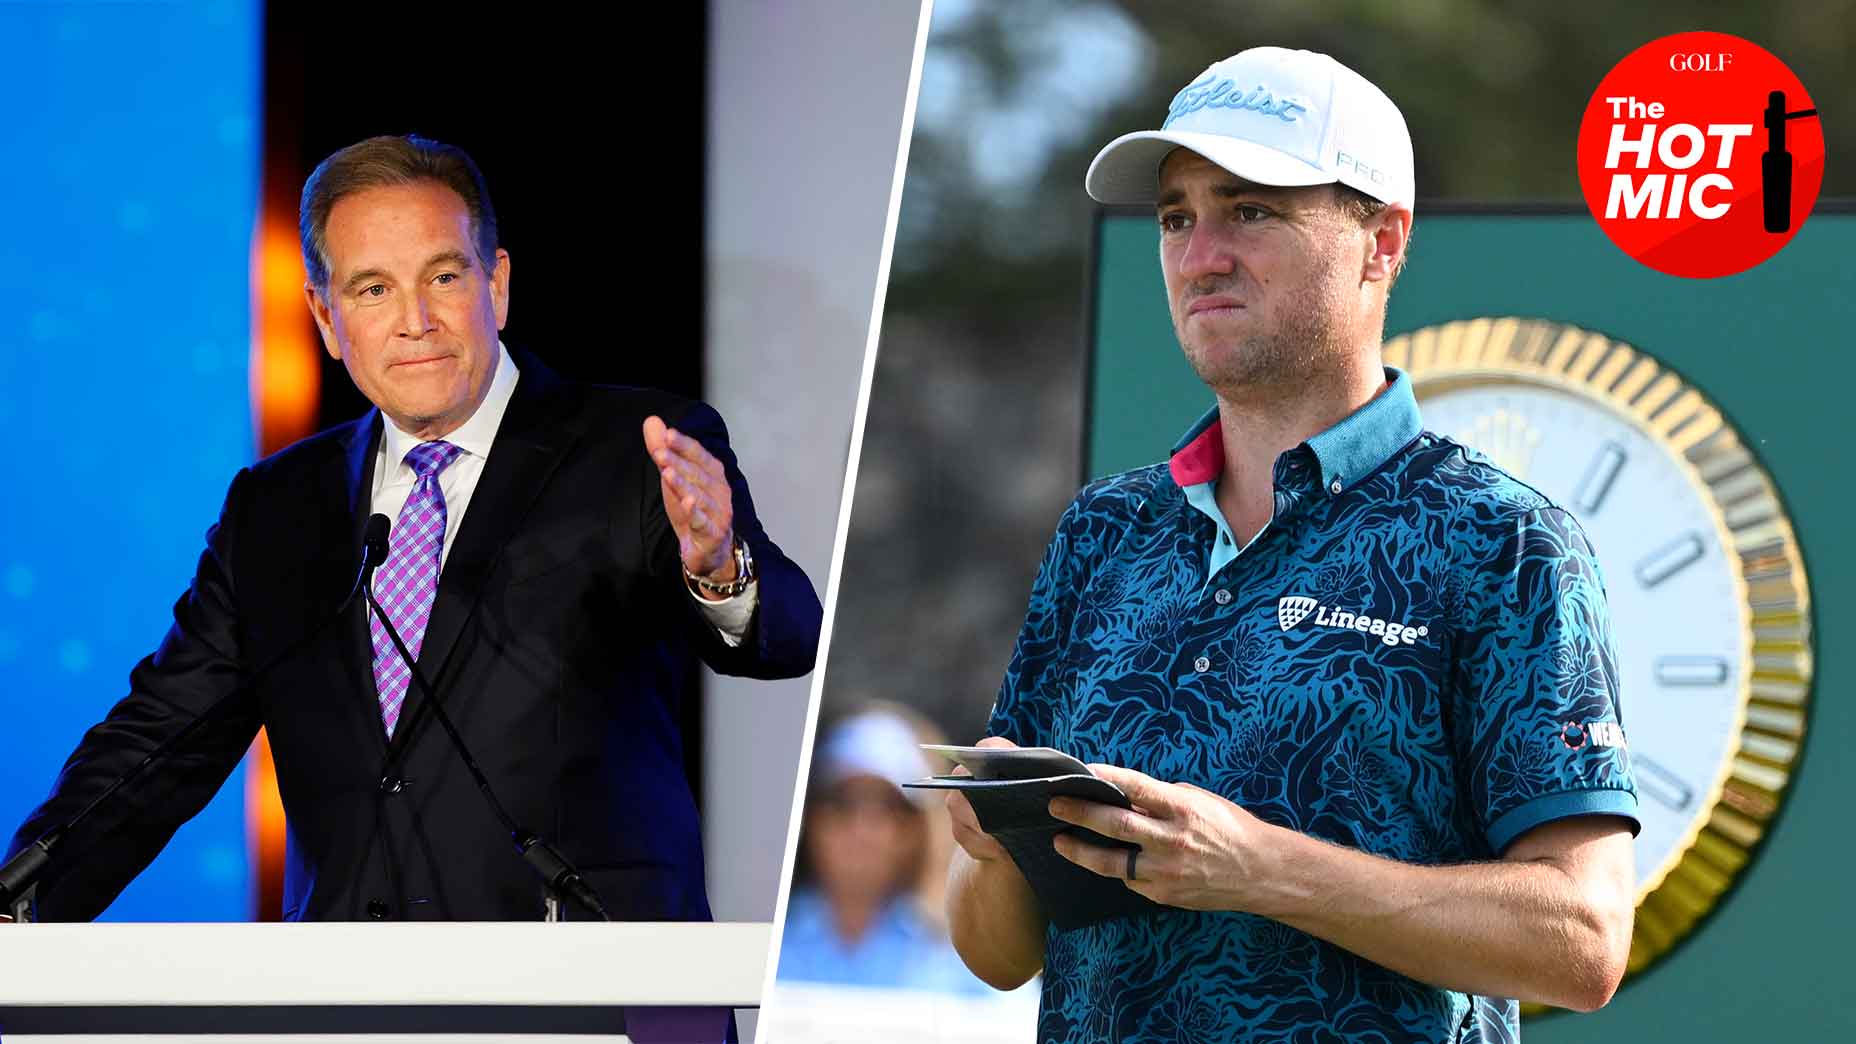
<point x="1010" y="790"/>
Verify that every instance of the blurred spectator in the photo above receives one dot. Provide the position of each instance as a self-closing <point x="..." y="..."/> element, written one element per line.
<point x="857" y="916"/>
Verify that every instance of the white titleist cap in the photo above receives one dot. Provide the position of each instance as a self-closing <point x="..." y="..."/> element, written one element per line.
<point x="1275" y="117"/>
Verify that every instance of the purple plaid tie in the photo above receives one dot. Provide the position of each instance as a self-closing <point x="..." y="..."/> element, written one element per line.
<point x="408" y="581"/>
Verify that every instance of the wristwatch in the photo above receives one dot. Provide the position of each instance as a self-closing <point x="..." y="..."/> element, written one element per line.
<point x="744" y="575"/>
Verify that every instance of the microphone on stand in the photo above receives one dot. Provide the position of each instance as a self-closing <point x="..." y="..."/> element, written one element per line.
<point x="21" y="873"/>
<point x="560" y="875"/>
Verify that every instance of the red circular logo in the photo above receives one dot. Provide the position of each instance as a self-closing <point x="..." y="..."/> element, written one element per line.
<point x="1701" y="154"/>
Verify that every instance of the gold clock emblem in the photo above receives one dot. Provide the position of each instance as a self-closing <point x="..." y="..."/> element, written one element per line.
<point x="1709" y="598"/>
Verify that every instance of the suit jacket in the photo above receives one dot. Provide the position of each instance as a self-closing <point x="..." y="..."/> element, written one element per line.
<point x="559" y="644"/>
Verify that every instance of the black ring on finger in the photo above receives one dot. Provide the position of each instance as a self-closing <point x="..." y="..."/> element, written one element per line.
<point x="1133" y="854"/>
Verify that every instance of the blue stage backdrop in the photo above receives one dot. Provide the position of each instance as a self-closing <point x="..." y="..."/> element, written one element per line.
<point x="129" y="163"/>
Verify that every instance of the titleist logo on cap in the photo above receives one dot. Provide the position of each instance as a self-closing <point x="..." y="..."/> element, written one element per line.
<point x="1224" y="93"/>
<point x="1271" y="116"/>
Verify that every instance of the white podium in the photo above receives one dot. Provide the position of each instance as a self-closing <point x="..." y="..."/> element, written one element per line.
<point x="86" y="983"/>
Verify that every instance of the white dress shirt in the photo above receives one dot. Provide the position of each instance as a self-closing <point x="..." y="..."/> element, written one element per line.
<point x="394" y="478"/>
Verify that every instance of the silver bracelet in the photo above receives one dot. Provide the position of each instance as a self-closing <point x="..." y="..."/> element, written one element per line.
<point x="744" y="575"/>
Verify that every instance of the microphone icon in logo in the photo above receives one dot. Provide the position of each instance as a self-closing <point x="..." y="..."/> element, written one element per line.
<point x="1775" y="167"/>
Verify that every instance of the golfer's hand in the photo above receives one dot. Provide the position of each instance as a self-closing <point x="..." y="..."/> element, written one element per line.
<point x="1198" y="851"/>
<point x="967" y="833"/>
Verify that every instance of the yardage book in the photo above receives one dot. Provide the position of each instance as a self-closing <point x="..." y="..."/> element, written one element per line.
<point x="1010" y="790"/>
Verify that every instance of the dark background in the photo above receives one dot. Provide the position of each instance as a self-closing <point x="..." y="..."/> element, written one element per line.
<point x="593" y="154"/>
<point x="595" y="166"/>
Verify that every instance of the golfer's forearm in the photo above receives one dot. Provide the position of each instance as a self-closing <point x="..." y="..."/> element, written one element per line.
<point x="994" y="920"/>
<point x="1504" y="929"/>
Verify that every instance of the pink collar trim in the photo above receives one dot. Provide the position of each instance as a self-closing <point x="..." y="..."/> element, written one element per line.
<point x="1202" y="459"/>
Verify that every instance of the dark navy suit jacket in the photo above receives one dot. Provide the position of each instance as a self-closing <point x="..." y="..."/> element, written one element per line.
<point x="559" y="643"/>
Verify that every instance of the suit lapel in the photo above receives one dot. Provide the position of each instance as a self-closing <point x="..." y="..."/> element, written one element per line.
<point x="350" y="491"/>
<point x="536" y="432"/>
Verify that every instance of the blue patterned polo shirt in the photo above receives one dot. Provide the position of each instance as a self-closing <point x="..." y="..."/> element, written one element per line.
<point x="1412" y="658"/>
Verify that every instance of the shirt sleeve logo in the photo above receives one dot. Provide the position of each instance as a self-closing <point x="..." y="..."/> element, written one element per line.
<point x="1577" y="734"/>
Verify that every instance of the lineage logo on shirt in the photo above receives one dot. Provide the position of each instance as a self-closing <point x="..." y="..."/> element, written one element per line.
<point x="1291" y="610"/>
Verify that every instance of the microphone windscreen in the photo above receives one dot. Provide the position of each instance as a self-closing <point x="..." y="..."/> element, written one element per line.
<point x="376" y="539"/>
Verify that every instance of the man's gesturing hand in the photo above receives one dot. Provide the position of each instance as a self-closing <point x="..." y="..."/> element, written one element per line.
<point x="1198" y="851"/>
<point x="697" y="499"/>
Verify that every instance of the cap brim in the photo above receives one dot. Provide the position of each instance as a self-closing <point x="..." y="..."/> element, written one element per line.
<point x="833" y="775"/>
<point x="1127" y="170"/>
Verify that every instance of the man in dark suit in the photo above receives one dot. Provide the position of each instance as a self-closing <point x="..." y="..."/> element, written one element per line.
<point x="557" y="551"/>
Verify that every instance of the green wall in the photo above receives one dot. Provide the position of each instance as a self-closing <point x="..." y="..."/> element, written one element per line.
<point x="1772" y="348"/>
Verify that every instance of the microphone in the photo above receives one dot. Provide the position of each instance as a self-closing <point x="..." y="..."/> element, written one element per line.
<point x="21" y="872"/>
<point x="373" y="553"/>
<point x="560" y="875"/>
<point x="1775" y="165"/>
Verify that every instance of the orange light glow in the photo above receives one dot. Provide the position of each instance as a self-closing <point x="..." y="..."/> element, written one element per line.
<point x="264" y="825"/>
<point x="286" y="377"/>
<point x="286" y="373"/>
